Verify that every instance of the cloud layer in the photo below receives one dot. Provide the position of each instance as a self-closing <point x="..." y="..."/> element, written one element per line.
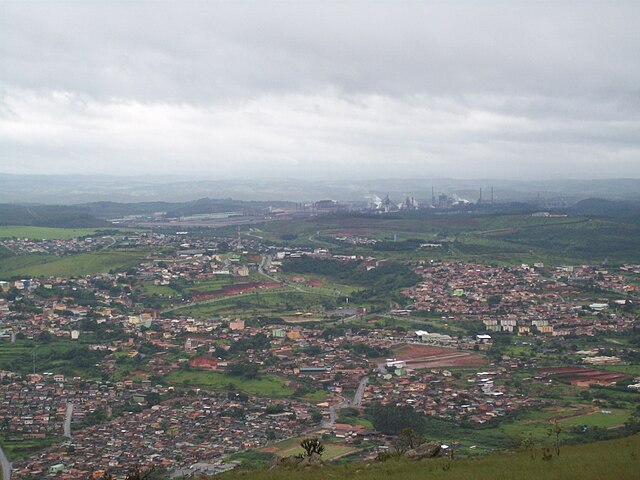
<point x="225" y="90"/>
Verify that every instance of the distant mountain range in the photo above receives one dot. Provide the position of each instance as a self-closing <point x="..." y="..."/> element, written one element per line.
<point x="68" y="190"/>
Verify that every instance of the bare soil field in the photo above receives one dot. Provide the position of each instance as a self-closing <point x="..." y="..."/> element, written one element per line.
<point x="581" y="375"/>
<point x="302" y="319"/>
<point x="427" y="356"/>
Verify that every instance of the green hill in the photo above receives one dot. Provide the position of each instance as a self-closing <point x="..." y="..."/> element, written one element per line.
<point x="616" y="459"/>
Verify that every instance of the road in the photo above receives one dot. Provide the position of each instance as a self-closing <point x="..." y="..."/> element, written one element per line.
<point x="9" y="248"/>
<point x="265" y="263"/>
<point x="357" y="398"/>
<point x="356" y="402"/>
<point x="113" y="242"/>
<point x="67" y="420"/>
<point x="6" y="466"/>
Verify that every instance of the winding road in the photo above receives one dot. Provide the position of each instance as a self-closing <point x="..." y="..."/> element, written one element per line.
<point x="356" y="402"/>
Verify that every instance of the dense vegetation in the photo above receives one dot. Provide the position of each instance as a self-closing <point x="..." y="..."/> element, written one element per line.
<point x="379" y="283"/>
<point x="49" y="216"/>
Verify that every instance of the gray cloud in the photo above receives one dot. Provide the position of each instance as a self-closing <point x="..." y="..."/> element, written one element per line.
<point x="227" y="89"/>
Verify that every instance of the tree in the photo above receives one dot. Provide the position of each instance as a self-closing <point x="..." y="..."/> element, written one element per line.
<point x="409" y="438"/>
<point x="244" y="369"/>
<point x="311" y="446"/>
<point x="316" y="416"/>
<point x="391" y="419"/>
<point x="45" y="337"/>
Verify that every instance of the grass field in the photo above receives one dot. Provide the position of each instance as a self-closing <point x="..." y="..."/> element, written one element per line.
<point x="599" y="419"/>
<point x="45" y="233"/>
<point x="633" y="370"/>
<point x="615" y="459"/>
<point x="163" y="290"/>
<point x="214" y="284"/>
<point x="73" y="265"/>
<point x="264" y="386"/>
<point x="17" y="449"/>
<point x="285" y="301"/>
<point x="20" y="356"/>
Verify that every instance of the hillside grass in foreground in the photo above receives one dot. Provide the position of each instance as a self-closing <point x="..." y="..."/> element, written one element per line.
<point x="615" y="459"/>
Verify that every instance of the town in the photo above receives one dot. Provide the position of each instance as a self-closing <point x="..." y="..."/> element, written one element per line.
<point x="205" y="347"/>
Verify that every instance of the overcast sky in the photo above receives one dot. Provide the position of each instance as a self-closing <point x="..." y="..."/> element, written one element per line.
<point x="321" y="89"/>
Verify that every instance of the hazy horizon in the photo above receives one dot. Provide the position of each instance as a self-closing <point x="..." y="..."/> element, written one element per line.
<point x="322" y="91"/>
<point x="73" y="189"/>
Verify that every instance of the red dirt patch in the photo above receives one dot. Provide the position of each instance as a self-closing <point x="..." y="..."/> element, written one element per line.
<point x="585" y="376"/>
<point x="233" y="290"/>
<point x="427" y="356"/>
<point x="362" y="232"/>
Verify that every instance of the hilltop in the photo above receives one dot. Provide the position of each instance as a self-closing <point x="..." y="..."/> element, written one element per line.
<point x="619" y="459"/>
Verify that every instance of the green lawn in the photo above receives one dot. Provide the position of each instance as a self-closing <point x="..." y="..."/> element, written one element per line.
<point x="264" y="386"/>
<point x="73" y="265"/>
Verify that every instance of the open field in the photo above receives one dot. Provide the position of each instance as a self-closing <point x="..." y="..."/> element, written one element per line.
<point x="285" y="301"/>
<point x="425" y="356"/>
<point x="161" y="290"/>
<point x="58" y="356"/>
<point x="234" y="289"/>
<point x="45" y="233"/>
<point x="494" y="238"/>
<point x="585" y="375"/>
<point x="216" y="283"/>
<point x="16" y="447"/>
<point x="73" y="265"/>
<point x="292" y="447"/>
<point x="617" y="459"/>
<point x="263" y="386"/>
<point x="633" y="370"/>
<point x="420" y="224"/>
<point x="602" y="418"/>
